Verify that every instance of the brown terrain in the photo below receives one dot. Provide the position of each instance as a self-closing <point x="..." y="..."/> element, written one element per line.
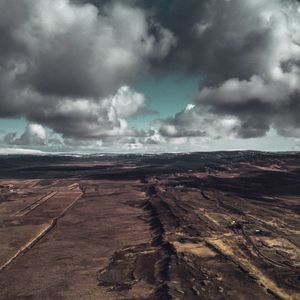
<point x="189" y="226"/>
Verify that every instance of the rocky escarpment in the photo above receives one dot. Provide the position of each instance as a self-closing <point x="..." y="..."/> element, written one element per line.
<point x="193" y="253"/>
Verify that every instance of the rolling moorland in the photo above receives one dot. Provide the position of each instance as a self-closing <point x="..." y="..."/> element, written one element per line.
<point x="222" y="225"/>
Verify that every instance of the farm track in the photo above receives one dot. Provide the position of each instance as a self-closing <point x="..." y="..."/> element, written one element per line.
<point x="29" y="208"/>
<point x="41" y="234"/>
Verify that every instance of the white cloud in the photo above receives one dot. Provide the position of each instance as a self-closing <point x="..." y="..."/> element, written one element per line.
<point x="93" y="118"/>
<point x="34" y="134"/>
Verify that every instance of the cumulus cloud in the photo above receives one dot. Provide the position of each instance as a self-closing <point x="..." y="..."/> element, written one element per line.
<point x="61" y="60"/>
<point x="249" y="53"/>
<point x="69" y="65"/>
<point x="34" y="134"/>
<point x="91" y="118"/>
<point x="192" y="122"/>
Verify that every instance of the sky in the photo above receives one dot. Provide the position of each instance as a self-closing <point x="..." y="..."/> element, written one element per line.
<point x="149" y="76"/>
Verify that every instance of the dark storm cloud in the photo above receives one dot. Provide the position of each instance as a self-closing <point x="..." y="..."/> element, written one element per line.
<point x="216" y="39"/>
<point x="249" y="54"/>
<point x="77" y="50"/>
<point x="68" y="65"/>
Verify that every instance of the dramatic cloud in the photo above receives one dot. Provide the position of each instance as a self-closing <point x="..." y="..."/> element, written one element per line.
<point x="70" y="65"/>
<point x="249" y="53"/>
<point x="61" y="60"/>
<point x="91" y="118"/>
<point x="34" y="134"/>
<point x="193" y="122"/>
